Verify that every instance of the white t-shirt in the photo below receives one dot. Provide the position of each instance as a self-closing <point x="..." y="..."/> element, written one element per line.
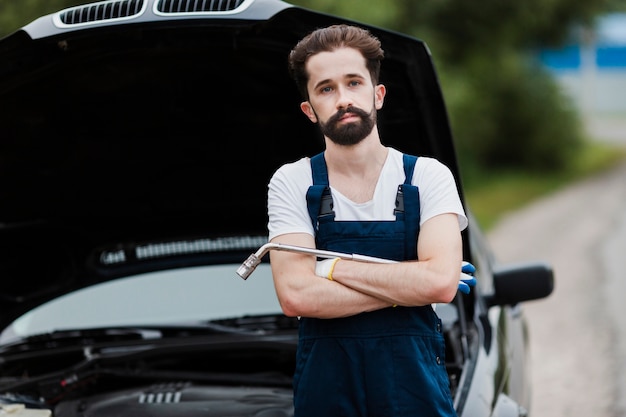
<point x="287" y="206"/>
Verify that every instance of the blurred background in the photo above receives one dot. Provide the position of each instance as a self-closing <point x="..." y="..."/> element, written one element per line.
<point x="536" y="95"/>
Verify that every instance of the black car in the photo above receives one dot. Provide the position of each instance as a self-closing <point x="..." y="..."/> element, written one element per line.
<point x="137" y="138"/>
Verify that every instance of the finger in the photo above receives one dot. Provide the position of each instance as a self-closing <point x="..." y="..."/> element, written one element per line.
<point x="468" y="279"/>
<point x="467" y="268"/>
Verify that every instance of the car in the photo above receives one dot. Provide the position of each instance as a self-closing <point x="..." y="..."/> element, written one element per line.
<point x="137" y="139"/>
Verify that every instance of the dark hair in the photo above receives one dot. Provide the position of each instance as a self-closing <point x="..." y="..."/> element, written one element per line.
<point x="328" y="39"/>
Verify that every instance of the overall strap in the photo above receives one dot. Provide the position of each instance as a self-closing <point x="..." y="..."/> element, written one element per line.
<point x="407" y="201"/>
<point x="409" y="167"/>
<point x="409" y="162"/>
<point x="318" y="197"/>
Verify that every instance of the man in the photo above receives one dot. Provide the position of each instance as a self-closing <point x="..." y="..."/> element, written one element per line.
<point x="370" y="342"/>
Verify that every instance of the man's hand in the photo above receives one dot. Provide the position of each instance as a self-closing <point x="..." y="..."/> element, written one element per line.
<point x="467" y="277"/>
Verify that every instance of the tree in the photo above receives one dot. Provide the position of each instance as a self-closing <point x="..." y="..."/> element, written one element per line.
<point x="15" y="14"/>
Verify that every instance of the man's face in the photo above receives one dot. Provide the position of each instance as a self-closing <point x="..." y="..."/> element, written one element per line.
<point x="341" y="96"/>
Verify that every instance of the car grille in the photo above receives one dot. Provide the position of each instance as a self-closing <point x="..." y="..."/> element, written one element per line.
<point x="193" y="6"/>
<point x="101" y="11"/>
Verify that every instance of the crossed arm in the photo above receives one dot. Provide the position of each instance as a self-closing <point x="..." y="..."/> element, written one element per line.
<point x="359" y="287"/>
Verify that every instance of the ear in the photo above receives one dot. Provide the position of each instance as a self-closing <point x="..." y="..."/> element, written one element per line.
<point x="307" y="109"/>
<point x="379" y="96"/>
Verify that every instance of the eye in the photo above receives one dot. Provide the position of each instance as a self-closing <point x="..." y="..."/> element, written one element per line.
<point x="326" y="89"/>
<point x="354" y="83"/>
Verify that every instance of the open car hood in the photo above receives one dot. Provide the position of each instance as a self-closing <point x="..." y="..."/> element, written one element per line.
<point x="143" y="137"/>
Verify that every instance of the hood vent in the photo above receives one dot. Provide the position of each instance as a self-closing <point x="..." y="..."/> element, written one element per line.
<point x="97" y="12"/>
<point x="167" y="392"/>
<point x="195" y="6"/>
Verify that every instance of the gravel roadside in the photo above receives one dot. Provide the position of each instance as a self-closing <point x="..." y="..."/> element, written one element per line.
<point x="572" y="332"/>
<point x="577" y="336"/>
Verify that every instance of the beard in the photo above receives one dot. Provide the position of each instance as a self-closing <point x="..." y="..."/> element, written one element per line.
<point x="349" y="133"/>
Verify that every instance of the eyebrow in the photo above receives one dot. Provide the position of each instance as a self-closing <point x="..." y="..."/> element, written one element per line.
<point x="320" y="83"/>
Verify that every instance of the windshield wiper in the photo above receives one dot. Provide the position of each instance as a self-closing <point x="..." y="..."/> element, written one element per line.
<point x="79" y="338"/>
<point x="256" y="325"/>
<point x="259" y="323"/>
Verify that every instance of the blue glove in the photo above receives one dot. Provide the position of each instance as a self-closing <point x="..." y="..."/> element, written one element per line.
<point x="467" y="278"/>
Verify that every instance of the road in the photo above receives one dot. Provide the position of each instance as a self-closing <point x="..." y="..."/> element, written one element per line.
<point x="578" y="334"/>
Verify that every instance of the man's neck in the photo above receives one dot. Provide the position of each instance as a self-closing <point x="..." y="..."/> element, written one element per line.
<point x="357" y="159"/>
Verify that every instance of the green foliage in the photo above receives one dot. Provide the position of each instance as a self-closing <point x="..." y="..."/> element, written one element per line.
<point x="464" y="28"/>
<point x="491" y="195"/>
<point x="375" y="13"/>
<point x="15" y="14"/>
<point x="508" y="112"/>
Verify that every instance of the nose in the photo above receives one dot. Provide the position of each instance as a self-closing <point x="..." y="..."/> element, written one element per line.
<point x="344" y="98"/>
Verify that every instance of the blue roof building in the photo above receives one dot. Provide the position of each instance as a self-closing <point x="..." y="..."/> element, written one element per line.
<point x="592" y="68"/>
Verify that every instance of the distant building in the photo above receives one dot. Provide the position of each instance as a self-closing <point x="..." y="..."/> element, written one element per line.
<point x="592" y="69"/>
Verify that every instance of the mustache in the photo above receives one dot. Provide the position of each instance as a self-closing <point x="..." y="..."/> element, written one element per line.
<point x="353" y="110"/>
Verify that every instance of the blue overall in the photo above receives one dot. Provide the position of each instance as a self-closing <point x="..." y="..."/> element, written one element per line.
<point x="386" y="363"/>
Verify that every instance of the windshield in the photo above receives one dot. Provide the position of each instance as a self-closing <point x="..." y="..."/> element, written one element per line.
<point x="156" y="298"/>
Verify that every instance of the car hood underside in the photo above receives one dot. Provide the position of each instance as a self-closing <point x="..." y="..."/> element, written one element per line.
<point x="165" y="134"/>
